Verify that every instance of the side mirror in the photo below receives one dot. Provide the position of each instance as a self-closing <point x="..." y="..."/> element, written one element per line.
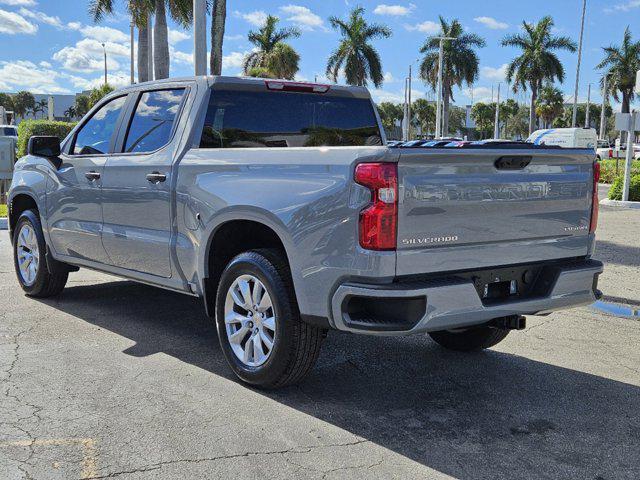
<point x="42" y="146"/>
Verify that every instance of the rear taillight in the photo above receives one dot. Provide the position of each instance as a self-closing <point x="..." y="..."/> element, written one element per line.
<point x="379" y="220"/>
<point x="296" y="86"/>
<point x="595" y="206"/>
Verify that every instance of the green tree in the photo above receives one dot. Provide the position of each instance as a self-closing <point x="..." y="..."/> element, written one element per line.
<point x="355" y="53"/>
<point x="460" y="62"/>
<point x="508" y="110"/>
<point x="549" y="104"/>
<point x="389" y="114"/>
<point x="484" y="115"/>
<point x="23" y="101"/>
<point x="260" y="72"/>
<point x="621" y="63"/>
<point x="271" y="53"/>
<point x="97" y="93"/>
<point x="70" y="112"/>
<point x="6" y="101"/>
<point x="425" y="114"/>
<point x="82" y="105"/>
<point x="457" y="120"/>
<point x="538" y="61"/>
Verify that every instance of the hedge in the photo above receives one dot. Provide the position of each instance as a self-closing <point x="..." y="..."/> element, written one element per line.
<point x="28" y="128"/>
<point x="615" y="193"/>
<point x="608" y="169"/>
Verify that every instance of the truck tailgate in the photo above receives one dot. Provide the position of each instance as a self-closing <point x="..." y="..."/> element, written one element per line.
<point x="466" y="209"/>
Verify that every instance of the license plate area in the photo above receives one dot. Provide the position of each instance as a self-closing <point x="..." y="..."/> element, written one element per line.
<point x="511" y="283"/>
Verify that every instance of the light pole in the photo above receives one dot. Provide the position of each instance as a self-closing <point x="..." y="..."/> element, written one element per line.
<point x="587" y="117"/>
<point x="104" y="49"/>
<point x="605" y="101"/>
<point x="575" y="96"/>
<point x="200" y="37"/>
<point x="439" y="99"/>
<point x="496" y="127"/>
<point x="132" y="59"/>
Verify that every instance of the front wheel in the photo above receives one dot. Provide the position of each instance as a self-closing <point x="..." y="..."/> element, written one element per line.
<point x="469" y="339"/>
<point x="30" y="262"/>
<point x="261" y="334"/>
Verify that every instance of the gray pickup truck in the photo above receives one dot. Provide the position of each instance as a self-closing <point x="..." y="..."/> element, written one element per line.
<point x="281" y="206"/>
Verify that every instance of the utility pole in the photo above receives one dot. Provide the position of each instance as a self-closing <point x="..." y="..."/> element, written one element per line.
<point x="200" y="36"/>
<point x="104" y="49"/>
<point x="409" y="106"/>
<point x="150" y="48"/>
<point x="605" y="98"/>
<point x="587" y="118"/>
<point x="575" y="96"/>
<point x="628" y="158"/>
<point x="439" y="98"/>
<point x="496" y="127"/>
<point x="131" y="33"/>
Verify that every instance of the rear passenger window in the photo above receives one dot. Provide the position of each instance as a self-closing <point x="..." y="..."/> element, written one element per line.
<point x="245" y="119"/>
<point x="152" y="122"/>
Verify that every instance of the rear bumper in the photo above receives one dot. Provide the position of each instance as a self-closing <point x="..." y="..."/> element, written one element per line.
<point x="452" y="302"/>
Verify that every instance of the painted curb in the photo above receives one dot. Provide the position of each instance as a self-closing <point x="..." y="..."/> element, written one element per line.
<point x="620" y="204"/>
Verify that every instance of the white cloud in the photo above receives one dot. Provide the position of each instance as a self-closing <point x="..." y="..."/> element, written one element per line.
<point x="41" y="17"/>
<point x="623" y="7"/>
<point x="478" y="94"/>
<point x="388" y="77"/>
<point x="176" y="36"/>
<point x="302" y="17"/>
<point x="105" y="34"/>
<point x="256" y="18"/>
<point x="44" y="64"/>
<point x="27" y="75"/>
<point x="233" y="38"/>
<point x="19" y="3"/>
<point x="87" y="56"/>
<point x="12" y="23"/>
<point x="234" y="60"/>
<point x="115" y="79"/>
<point x="381" y="95"/>
<point x="491" y="23"/>
<point x="393" y="10"/>
<point x="497" y="74"/>
<point x="424" y="27"/>
<point x="74" y="25"/>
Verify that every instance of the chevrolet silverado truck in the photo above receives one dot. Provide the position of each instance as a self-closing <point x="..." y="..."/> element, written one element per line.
<point x="281" y="206"/>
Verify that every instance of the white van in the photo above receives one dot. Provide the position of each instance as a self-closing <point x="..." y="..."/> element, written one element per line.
<point x="565" y="137"/>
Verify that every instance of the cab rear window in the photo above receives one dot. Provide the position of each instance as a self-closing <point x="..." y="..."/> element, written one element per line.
<point x="247" y="119"/>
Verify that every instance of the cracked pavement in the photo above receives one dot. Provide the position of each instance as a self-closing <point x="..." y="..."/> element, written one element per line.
<point x="118" y="380"/>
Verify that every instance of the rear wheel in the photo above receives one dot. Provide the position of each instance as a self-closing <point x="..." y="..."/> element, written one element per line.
<point x="469" y="339"/>
<point x="261" y="334"/>
<point x="29" y="254"/>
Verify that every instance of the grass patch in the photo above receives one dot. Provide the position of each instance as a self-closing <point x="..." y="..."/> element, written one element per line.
<point x="3" y="210"/>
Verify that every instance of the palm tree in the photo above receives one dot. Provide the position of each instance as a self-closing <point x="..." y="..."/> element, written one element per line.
<point x="141" y="11"/>
<point x="70" y="112"/>
<point x="549" y="104"/>
<point x="360" y="60"/>
<point x="622" y="62"/>
<point x="271" y="52"/>
<point x="460" y="62"/>
<point x="23" y="101"/>
<point x="538" y="61"/>
<point x="219" y="16"/>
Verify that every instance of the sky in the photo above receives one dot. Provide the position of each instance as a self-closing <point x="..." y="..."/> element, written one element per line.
<point x="52" y="46"/>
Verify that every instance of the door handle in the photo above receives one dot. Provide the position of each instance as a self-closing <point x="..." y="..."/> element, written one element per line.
<point x="156" y="177"/>
<point x="92" y="176"/>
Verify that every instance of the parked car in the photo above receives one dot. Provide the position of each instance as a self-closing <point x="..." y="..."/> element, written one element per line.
<point x="279" y="204"/>
<point x="9" y="131"/>
<point x="604" y="150"/>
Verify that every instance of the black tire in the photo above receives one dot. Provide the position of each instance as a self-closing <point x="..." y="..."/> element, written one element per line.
<point x="469" y="339"/>
<point x="296" y="343"/>
<point x="46" y="283"/>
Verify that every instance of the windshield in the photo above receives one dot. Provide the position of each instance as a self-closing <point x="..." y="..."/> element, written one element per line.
<point x="8" y="131"/>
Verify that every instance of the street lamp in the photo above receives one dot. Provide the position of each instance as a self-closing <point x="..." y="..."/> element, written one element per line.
<point x="439" y="99"/>
<point x="574" y="120"/>
<point x="104" y="49"/>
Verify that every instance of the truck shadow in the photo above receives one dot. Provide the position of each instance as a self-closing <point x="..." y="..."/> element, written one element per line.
<point x="486" y="415"/>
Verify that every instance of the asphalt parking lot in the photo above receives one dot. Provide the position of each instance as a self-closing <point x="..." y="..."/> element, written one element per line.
<point x="118" y="380"/>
